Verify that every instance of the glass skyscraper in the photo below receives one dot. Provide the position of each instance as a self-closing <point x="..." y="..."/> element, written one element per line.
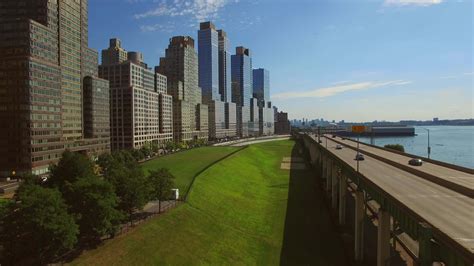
<point x="208" y="51"/>
<point x="225" y="79"/>
<point x="242" y="88"/>
<point x="261" y="85"/>
<point x="214" y="80"/>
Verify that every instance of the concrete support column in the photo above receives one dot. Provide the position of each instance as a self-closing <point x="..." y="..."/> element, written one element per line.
<point x="328" y="176"/>
<point x="359" y="226"/>
<point x="383" y="238"/>
<point x="334" y="187"/>
<point x="342" y="199"/>
<point x="323" y="166"/>
<point x="425" y="253"/>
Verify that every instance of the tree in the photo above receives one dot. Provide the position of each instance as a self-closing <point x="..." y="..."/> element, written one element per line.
<point x="397" y="147"/>
<point x="37" y="226"/>
<point x="90" y="199"/>
<point x="127" y="177"/>
<point x="94" y="203"/>
<point x="155" y="146"/>
<point x="161" y="182"/>
<point x="71" y="166"/>
<point x="146" y="149"/>
<point x="137" y="154"/>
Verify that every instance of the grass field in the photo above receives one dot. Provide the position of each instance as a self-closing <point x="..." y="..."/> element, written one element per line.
<point x="244" y="210"/>
<point x="184" y="165"/>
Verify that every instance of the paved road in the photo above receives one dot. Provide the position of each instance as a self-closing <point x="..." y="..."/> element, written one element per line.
<point x="452" y="175"/>
<point x="259" y="141"/>
<point x="445" y="209"/>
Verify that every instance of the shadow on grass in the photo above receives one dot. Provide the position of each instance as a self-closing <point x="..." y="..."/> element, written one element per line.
<point x="309" y="237"/>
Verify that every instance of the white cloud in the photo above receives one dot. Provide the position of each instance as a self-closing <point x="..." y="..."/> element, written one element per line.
<point x="200" y="9"/>
<point x="458" y="75"/>
<point x="333" y="90"/>
<point x="157" y="27"/>
<point x="412" y="2"/>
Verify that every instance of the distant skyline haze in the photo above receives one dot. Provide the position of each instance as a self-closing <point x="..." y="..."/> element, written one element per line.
<point x="358" y="60"/>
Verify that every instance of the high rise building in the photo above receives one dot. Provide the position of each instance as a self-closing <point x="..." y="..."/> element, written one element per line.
<point x="180" y="66"/>
<point x="261" y="91"/>
<point x="225" y="84"/>
<point x="141" y="109"/>
<point x="50" y="96"/>
<point x="261" y="85"/>
<point x="208" y="50"/>
<point x="242" y="89"/>
<point x="282" y="125"/>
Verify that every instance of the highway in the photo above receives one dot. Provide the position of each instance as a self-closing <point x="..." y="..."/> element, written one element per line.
<point x="447" y="211"/>
<point x="452" y="175"/>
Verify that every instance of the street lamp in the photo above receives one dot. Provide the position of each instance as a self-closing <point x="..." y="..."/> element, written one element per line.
<point x="429" y="148"/>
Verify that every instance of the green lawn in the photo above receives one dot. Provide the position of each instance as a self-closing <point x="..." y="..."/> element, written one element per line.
<point x="184" y="165"/>
<point x="244" y="210"/>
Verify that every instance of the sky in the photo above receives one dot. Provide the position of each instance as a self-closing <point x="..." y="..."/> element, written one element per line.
<point x="352" y="60"/>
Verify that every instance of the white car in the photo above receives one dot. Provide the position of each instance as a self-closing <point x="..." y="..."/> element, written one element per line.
<point x="338" y="146"/>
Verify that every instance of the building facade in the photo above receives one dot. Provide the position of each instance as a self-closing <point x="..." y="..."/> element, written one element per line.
<point x="141" y="109"/>
<point x="282" y="125"/>
<point x="208" y="50"/>
<point x="241" y="73"/>
<point x="47" y="72"/>
<point x="225" y="84"/>
<point x="180" y="66"/>
<point x="261" y="91"/>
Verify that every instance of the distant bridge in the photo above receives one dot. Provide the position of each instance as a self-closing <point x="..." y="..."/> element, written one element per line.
<point x="431" y="204"/>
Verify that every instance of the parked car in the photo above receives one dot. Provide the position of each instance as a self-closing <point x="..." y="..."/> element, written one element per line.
<point x="338" y="146"/>
<point x="334" y="136"/>
<point x="359" y="157"/>
<point x="415" y="162"/>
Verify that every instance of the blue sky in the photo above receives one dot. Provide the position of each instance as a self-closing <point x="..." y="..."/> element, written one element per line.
<point x="358" y="60"/>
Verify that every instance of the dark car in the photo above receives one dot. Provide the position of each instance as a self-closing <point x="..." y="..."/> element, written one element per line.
<point x="320" y="141"/>
<point x="359" y="157"/>
<point x="333" y="136"/>
<point x="415" y="162"/>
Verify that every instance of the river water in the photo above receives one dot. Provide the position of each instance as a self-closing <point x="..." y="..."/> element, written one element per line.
<point x="451" y="144"/>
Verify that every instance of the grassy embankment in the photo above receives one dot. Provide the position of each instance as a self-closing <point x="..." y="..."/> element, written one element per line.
<point x="243" y="210"/>
<point x="186" y="164"/>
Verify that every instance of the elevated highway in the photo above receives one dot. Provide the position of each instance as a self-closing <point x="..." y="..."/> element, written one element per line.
<point x="458" y="178"/>
<point x="432" y="204"/>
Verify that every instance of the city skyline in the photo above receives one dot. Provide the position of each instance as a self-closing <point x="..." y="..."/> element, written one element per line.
<point x="382" y="61"/>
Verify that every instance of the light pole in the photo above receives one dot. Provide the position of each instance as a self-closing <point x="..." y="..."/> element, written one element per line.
<point x="357" y="156"/>
<point x="429" y="148"/>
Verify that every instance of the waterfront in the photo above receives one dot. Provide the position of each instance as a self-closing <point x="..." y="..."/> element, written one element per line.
<point x="451" y="144"/>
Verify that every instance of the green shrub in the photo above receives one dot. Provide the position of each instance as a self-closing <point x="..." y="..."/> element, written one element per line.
<point x="396" y="147"/>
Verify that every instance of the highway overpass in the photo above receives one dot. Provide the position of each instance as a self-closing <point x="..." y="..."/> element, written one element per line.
<point x="432" y="204"/>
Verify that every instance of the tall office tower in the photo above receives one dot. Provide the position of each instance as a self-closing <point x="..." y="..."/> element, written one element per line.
<point x="261" y="91"/>
<point x="140" y="106"/>
<point x="115" y="54"/>
<point x="261" y="85"/>
<point x="208" y="49"/>
<point x="180" y="66"/>
<point x="242" y="89"/>
<point x="225" y="84"/>
<point x="46" y="78"/>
